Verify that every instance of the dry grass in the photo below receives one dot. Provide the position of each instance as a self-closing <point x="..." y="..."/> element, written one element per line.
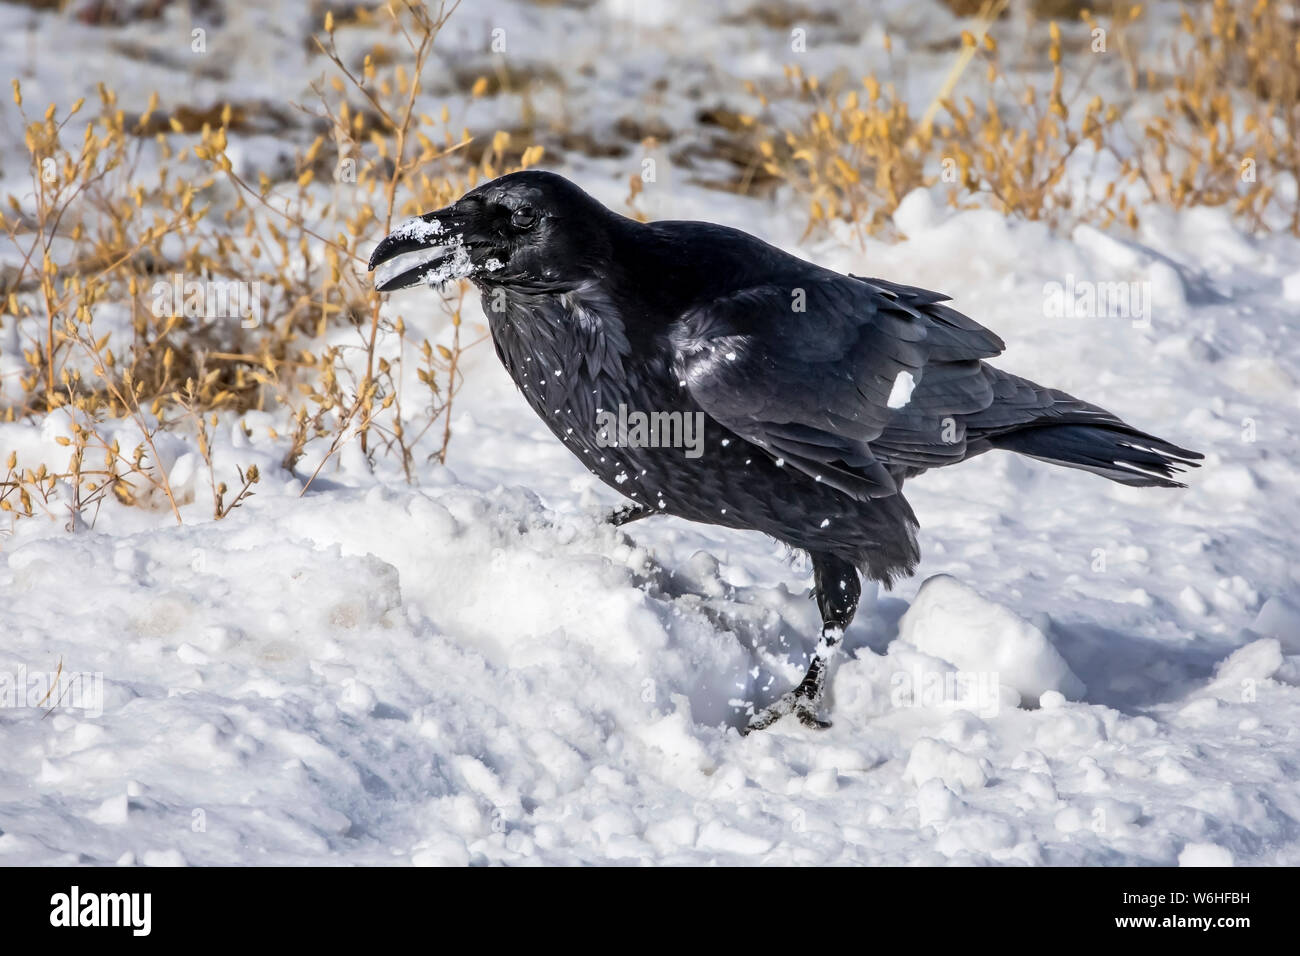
<point x="860" y="151"/>
<point x="1231" y="124"/>
<point x="1229" y="132"/>
<point x="99" y="238"/>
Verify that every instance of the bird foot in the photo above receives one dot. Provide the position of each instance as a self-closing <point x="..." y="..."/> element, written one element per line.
<point x="801" y="705"/>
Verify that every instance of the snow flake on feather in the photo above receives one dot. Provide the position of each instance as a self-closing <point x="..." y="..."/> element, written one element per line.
<point x="901" y="393"/>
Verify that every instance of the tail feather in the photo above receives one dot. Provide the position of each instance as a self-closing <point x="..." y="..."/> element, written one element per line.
<point x="1110" y="449"/>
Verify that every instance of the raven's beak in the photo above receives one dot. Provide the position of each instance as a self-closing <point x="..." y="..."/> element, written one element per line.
<point x="431" y="249"/>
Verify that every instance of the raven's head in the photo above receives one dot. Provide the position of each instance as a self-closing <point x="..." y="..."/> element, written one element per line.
<point x="531" y="232"/>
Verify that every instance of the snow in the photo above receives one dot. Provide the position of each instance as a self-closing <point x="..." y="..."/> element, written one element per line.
<point x="901" y="393"/>
<point x="1204" y="854"/>
<point x="417" y="229"/>
<point x="474" y="669"/>
<point x="456" y="265"/>
<point x="952" y="622"/>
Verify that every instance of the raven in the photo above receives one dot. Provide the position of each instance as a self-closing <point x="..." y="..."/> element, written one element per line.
<point x="819" y="393"/>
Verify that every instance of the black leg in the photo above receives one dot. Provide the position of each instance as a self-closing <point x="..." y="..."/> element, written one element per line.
<point x="836" y="585"/>
<point x="626" y="513"/>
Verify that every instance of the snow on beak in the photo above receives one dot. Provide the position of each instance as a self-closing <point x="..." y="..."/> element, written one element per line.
<point x="425" y="249"/>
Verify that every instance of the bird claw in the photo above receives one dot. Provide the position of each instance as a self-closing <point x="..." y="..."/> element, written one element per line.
<point x="802" y="706"/>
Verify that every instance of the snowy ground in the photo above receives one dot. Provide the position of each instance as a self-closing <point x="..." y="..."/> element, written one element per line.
<point x="476" y="670"/>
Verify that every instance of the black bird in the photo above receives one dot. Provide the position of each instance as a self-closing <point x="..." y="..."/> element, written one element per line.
<point x="820" y="393"/>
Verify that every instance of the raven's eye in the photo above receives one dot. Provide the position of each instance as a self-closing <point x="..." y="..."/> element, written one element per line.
<point x="525" y="217"/>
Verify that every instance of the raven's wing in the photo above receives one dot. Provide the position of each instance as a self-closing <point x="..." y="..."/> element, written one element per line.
<point x="806" y="369"/>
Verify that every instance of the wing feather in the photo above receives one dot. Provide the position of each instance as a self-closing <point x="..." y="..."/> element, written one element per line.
<point x="806" y="372"/>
